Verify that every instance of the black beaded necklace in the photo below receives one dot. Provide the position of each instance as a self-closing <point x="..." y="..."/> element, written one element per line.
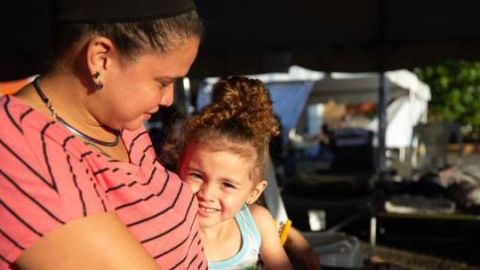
<point x="76" y="132"/>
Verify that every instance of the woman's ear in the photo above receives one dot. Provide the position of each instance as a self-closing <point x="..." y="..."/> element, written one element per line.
<point x="256" y="192"/>
<point x="100" y="52"/>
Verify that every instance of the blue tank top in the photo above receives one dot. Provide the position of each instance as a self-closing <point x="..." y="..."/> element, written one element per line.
<point x="248" y="255"/>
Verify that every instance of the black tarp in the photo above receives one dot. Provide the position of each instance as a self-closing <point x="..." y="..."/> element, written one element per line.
<point x="246" y="36"/>
<point x="252" y="36"/>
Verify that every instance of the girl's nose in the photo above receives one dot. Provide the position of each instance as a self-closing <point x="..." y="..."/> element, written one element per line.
<point x="206" y="192"/>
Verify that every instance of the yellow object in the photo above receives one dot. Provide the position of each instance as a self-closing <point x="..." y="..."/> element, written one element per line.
<point x="284" y="228"/>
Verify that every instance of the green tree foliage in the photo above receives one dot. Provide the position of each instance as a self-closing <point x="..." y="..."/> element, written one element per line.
<point x="455" y="87"/>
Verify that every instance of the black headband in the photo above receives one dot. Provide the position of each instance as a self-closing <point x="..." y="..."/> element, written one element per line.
<point x="104" y="11"/>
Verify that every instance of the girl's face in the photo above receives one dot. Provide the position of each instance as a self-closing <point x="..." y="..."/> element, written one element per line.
<point x="135" y="89"/>
<point x="222" y="182"/>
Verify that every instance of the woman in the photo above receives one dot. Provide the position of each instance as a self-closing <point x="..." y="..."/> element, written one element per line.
<point x="80" y="187"/>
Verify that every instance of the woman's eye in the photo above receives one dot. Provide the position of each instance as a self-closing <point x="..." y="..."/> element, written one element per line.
<point x="163" y="84"/>
<point x="167" y="83"/>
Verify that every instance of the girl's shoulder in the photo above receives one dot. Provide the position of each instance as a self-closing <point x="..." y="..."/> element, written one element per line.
<point x="264" y="220"/>
<point x="259" y="212"/>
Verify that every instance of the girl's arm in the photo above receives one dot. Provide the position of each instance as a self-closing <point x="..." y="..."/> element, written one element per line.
<point x="299" y="248"/>
<point x="100" y="241"/>
<point x="271" y="251"/>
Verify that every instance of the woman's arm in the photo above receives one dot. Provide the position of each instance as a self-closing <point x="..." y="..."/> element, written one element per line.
<point x="100" y="241"/>
<point x="271" y="251"/>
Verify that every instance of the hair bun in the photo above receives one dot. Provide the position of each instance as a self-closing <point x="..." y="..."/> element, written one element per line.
<point x="242" y="100"/>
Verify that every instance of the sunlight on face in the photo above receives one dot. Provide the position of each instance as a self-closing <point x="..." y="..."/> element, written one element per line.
<point x="134" y="90"/>
<point x="221" y="180"/>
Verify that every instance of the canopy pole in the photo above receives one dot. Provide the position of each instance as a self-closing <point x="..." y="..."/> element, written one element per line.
<point x="187" y="95"/>
<point x="382" y="121"/>
<point x="383" y="90"/>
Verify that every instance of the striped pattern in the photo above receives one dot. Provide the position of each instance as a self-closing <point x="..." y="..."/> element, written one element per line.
<point x="49" y="177"/>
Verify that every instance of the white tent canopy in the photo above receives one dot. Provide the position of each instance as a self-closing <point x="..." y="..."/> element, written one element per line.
<point x="354" y="88"/>
<point x="408" y="96"/>
<point x="402" y="115"/>
<point x="295" y="73"/>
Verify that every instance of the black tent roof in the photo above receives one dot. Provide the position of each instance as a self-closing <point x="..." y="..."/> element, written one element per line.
<point x="251" y="36"/>
<point x="364" y="35"/>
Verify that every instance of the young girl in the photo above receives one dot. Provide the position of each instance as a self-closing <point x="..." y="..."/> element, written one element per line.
<point x="223" y="160"/>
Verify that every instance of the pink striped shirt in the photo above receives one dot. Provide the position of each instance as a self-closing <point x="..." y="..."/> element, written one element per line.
<point x="48" y="177"/>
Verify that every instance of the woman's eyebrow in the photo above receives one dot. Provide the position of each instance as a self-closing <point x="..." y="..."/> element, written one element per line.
<point x="168" y="78"/>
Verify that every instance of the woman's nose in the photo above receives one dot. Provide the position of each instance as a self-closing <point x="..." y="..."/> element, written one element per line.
<point x="167" y="96"/>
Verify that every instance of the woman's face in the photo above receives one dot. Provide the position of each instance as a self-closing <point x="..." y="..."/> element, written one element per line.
<point x="135" y="89"/>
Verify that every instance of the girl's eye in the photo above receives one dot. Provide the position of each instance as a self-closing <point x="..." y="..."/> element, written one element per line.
<point x="228" y="185"/>
<point x="195" y="178"/>
<point x="195" y="175"/>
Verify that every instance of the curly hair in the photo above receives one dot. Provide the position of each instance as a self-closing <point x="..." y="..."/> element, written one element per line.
<point x="240" y="118"/>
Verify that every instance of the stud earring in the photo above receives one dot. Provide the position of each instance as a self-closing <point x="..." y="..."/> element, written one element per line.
<point x="97" y="83"/>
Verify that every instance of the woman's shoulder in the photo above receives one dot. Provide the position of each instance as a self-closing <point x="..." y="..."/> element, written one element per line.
<point x="14" y="113"/>
<point x="26" y="131"/>
<point x="42" y="185"/>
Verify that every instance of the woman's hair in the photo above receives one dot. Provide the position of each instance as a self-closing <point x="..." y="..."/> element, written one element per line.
<point x="131" y="38"/>
<point x="239" y="119"/>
